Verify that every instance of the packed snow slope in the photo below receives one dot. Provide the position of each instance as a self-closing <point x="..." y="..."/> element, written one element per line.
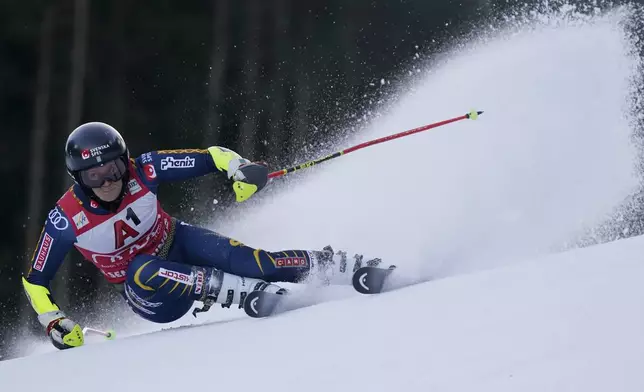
<point x="568" y="322"/>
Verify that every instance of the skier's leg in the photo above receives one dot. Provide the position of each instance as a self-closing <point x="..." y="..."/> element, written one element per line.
<point x="163" y="291"/>
<point x="159" y="290"/>
<point x="203" y="247"/>
<point x="199" y="246"/>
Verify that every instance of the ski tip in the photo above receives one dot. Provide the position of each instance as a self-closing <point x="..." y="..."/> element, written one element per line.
<point x="370" y="280"/>
<point x="251" y="305"/>
<point x="260" y="304"/>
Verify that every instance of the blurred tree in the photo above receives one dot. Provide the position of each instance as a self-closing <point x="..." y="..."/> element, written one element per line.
<point x="40" y="132"/>
<point x="250" y="111"/>
<point x="62" y="284"/>
<point x="218" y="64"/>
<point x="38" y="164"/>
<point x="279" y="62"/>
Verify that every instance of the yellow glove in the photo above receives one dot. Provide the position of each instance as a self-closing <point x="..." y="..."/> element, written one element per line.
<point x="248" y="177"/>
<point x="63" y="332"/>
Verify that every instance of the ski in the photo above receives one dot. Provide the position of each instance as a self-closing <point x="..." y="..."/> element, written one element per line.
<point x="260" y="304"/>
<point x="371" y="280"/>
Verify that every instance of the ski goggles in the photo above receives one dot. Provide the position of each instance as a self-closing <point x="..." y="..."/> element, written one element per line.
<point x="95" y="177"/>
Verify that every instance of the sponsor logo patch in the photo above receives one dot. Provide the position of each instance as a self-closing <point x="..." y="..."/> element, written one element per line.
<point x="116" y="274"/>
<point x="146" y="158"/>
<point x="199" y="282"/>
<point x="43" y="252"/>
<point x="150" y="172"/>
<point x="80" y="220"/>
<point x="57" y="219"/>
<point x="290" y="262"/>
<point x="93" y="204"/>
<point x="93" y="152"/>
<point x="133" y="186"/>
<point x="176" y="276"/>
<point x="172" y="163"/>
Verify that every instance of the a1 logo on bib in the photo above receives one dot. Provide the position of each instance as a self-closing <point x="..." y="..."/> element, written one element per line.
<point x="80" y="220"/>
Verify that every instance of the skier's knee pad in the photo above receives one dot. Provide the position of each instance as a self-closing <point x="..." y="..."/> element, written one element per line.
<point x="147" y="294"/>
<point x="141" y="270"/>
<point x="158" y="308"/>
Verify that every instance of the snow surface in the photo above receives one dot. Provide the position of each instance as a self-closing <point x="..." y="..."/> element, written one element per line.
<point x="568" y="322"/>
<point x="480" y="209"/>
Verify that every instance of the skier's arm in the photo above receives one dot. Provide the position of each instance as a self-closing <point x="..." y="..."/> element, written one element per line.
<point x="174" y="165"/>
<point x="56" y="239"/>
<point x="177" y="165"/>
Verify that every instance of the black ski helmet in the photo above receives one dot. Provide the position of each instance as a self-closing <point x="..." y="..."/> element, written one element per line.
<point x="93" y="144"/>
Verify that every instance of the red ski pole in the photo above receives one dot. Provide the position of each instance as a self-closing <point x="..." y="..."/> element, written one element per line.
<point x="471" y="115"/>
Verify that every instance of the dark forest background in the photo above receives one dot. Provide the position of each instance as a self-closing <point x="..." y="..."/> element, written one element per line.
<point x="263" y="77"/>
